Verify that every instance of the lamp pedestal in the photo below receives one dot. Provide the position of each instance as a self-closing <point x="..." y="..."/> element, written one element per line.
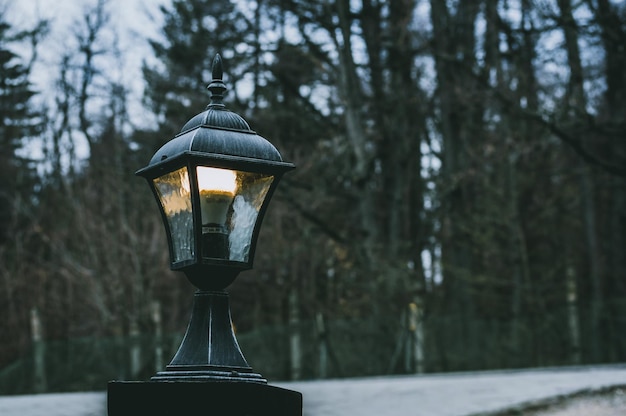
<point x="212" y="180"/>
<point x="209" y="351"/>
<point x="158" y="398"/>
<point x="208" y="375"/>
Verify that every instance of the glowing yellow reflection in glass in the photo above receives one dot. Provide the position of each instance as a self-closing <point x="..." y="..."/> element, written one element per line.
<point x="217" y="189"/>
<point x="216" y="180"/>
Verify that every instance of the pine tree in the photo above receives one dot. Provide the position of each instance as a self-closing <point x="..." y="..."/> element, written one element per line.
<point x="18" y="121"/>
<point x="193" y="32"/>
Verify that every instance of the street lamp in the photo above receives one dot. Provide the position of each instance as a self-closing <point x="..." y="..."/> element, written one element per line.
<point x="213" y="182"/>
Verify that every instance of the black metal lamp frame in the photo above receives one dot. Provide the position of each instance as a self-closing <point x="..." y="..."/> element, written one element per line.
<point x="222" y="272"/>
<point x="222" y="139"/>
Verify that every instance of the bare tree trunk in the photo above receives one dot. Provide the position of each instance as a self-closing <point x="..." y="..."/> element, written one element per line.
<point x="322" y="346"/>
<point x="39" y="352"/>
<point x="135" y="349"/>
<point x="595" y="276"/>
<point x="575" y="107"/>
<point x="614" y="39"/>
<point x="617" y="263"/>
<point x="572" y="314"/>
<point x="520" y="271"/>
<point x="454" y="43"/>
<point x="368" y="250"/>
<point x="416" y="331"/>
<point x="295" y="347"/>
<point x="350" y="89"/>
<point x="94" y="22"/>
<point x="158" y="335"/>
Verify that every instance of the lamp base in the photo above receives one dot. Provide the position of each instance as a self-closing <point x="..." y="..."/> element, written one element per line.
<point x="209" y="350"/>
<point x="128" y="398"/>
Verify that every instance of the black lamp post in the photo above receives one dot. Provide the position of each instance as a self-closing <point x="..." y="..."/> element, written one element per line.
<point x="213" y="182"/>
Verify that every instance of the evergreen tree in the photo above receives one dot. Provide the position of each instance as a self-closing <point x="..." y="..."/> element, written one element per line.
<point x="18" y="121"/>
<point x="193" y="32"/>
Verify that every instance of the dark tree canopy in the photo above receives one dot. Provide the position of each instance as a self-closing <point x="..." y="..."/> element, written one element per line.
<point x="18" y="122"/>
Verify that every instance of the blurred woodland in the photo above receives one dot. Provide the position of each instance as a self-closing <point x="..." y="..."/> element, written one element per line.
<point x="459" y="201"/>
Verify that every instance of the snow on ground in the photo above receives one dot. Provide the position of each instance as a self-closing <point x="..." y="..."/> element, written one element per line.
<point x="608" y="403"/>
<point x="457" y="394"/>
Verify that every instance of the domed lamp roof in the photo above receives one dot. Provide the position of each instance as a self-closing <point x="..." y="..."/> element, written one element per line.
<point x="220" y="133"/>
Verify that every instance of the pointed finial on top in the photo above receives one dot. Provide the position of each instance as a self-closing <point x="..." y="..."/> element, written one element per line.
<point x="217" y="87"/>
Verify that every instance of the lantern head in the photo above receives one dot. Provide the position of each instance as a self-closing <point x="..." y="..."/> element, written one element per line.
<point x="213" y="182"/>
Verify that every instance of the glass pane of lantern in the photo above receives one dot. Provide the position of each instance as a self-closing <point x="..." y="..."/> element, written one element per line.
<point x="230" y="202"/>
<point x="175" y="196"/>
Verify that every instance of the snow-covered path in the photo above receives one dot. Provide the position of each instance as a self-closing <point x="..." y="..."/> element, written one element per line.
<point x="459" y="394"/>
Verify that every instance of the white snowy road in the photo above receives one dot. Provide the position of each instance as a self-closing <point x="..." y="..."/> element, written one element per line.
<point x="458" y="394"/>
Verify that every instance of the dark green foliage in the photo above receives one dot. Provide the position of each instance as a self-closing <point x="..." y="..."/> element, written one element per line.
<point x="19" y="122"/>
<point x="193" y="32"/>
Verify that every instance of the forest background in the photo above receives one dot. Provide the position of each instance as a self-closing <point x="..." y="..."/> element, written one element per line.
<point x="459" y="201"/>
